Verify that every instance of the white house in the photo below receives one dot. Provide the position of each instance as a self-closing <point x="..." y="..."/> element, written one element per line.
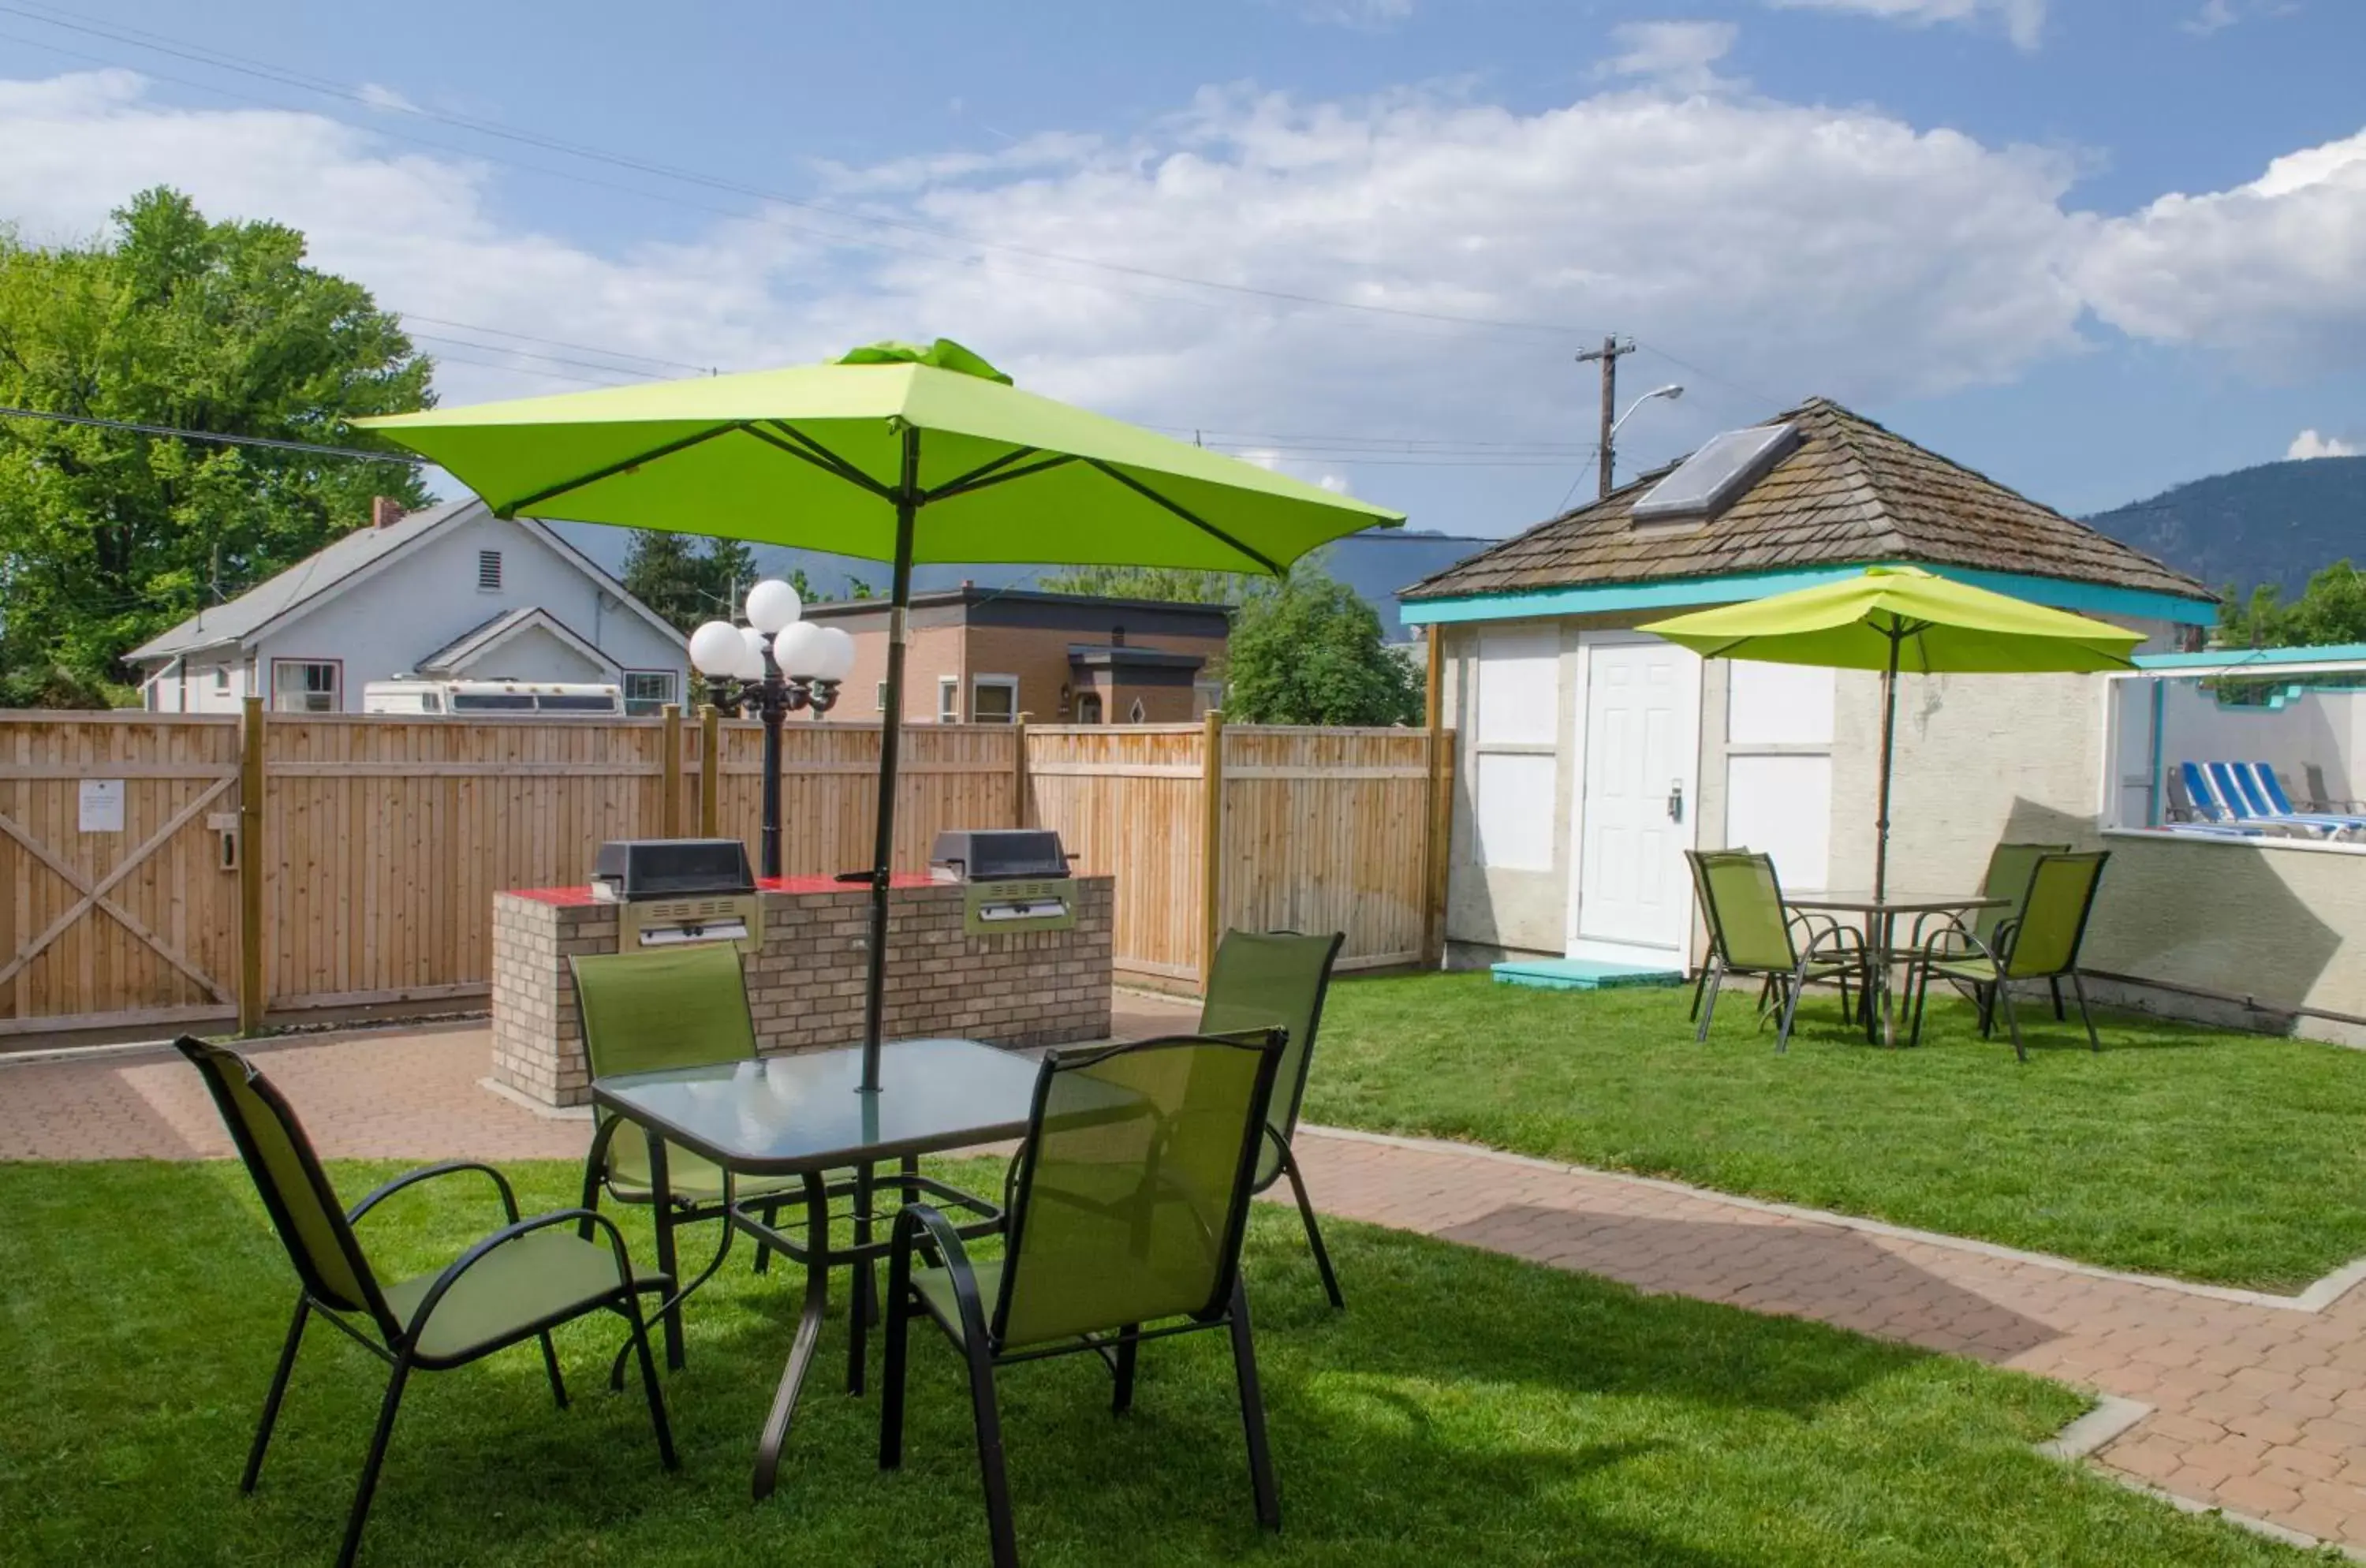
<point x="452" y="591"/>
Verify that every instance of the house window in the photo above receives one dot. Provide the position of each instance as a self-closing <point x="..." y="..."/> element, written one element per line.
<point x="1137" y="714"/>
<point x="646" y="691"/>
<point x="879" y="697"/>
<point x="948" y="700"/>
<point x="1088" y="707"/>
<point x="489" y="571"/>
<point x="304" y="685"/>
<point x="993" y="699"/>
<point x="222" y="677"/>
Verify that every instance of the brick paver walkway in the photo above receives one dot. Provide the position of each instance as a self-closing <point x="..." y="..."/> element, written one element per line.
<point x="2257" y="1406"/>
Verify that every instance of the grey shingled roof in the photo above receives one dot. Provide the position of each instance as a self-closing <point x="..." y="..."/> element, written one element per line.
<point x="1850" y="492"/>
<point x="274" y="596"/>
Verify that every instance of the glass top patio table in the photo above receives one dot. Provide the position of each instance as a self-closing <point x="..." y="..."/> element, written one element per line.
<point x="805" y="1116"/>
<point x="1881" y="912"/>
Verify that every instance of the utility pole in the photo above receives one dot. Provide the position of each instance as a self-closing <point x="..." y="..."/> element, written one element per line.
<point x="1608" y="356"/>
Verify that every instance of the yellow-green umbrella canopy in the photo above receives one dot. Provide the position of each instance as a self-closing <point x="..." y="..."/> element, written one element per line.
<point x="893" y="452"/>
<point x="1901" y="617"/>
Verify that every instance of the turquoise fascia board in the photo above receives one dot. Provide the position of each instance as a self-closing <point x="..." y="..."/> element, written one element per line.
<point x="1680" y="593"/>
<point x="2235" y="660"/>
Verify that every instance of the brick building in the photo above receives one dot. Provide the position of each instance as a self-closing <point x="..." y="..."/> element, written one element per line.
<point x="985" y="655"/>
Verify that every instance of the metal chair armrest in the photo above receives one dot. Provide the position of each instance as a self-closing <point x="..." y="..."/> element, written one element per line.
<point x="1844" y="940"/>
<point x="1934" y="949"/>
<point x="514" y="1231"/>
<point x="922" y="1223"/>
<point x="429" y="1173"/>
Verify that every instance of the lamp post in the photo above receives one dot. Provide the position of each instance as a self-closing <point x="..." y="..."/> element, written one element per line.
<point x="776" y="664"/>
<point x="1610" y="436"/>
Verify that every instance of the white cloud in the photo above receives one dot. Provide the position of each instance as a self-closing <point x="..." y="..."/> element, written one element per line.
<point x="1362" y="16"/>
<point x="2273" y="271"/>
<point x="1785" y="248"/>
<point x="2214" y="15"/>
<point x="2309" y="443"/>
<point x="1679" y="55"/>
<point x="2024" y="20"/>
<point x="384" y="98"/>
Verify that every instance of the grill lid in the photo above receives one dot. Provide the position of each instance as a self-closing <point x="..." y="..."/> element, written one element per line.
<point x="672" y="868"/>
<point x="997" y="854"/>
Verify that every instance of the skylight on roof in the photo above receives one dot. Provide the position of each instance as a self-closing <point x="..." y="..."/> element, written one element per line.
<point x="1712" y="477"/>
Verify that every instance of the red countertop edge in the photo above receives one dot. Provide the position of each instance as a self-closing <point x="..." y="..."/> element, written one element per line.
<point x="578" y="898"/>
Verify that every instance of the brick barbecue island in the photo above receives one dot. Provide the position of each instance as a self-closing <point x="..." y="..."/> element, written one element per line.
<point x="805" y="985"/>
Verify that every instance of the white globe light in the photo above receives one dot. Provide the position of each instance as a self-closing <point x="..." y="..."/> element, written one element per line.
<point x="752" y="655"/>
<point x="837" y="659"/>
<point x="774" y="605"/>
<point x="715" y="649"/>
<point x="801" y="650"/>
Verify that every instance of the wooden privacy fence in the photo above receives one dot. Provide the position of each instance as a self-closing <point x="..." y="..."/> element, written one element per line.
<point x="168" y="869"/>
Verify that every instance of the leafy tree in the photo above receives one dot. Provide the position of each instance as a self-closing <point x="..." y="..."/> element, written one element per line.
<point x="1308" y="650"/>
<point x="107" y="537"/>
<point x="1150" y="582"/>
<point x="2332" y="610"/>
<point x="689" y="579"/>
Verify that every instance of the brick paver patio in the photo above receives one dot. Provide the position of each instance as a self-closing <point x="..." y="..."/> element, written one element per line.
<point x="2257" y="1404"/>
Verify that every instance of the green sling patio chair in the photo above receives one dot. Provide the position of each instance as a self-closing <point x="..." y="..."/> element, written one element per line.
<point x="2039" y="943"/>
<point x="518" y="1283"/>
<point x="683" y="1006"/>
<point x="1751" y="932"/>
<point x="1126" y="1208"/>
<point x="2009" y="865"/>
<point x="1265" y="979"/>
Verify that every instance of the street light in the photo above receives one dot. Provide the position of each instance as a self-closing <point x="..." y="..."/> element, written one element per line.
<point x="1672" y="393"/>
<point x="776" y="664"/>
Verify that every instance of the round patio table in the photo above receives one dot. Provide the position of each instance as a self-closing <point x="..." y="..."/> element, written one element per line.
<point x="1879" y="913"/>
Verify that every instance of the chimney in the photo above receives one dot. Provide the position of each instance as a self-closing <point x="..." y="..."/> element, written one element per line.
<point x="385" y="511"/>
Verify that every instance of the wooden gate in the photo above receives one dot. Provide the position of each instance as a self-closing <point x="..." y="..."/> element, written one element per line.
<point x="117" y="905"/>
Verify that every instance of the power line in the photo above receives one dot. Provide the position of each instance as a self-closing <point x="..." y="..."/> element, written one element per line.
<point x="313" y="448"/>
<point x="408" y="316"/>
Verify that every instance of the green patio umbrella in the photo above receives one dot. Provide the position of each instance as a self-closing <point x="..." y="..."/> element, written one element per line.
<point x="1893" y="618"/>
<point x="893" y="452"/>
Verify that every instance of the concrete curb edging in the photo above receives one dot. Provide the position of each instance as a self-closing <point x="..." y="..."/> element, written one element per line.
<point x="2110" y="1418"/>
<point x="2318" y="1296"/>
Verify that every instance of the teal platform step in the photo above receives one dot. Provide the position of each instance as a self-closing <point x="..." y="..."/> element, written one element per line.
<point x="1582" y="974"/>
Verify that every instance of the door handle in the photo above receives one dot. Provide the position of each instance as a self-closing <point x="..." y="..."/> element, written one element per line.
<point x="1677" y="801"/>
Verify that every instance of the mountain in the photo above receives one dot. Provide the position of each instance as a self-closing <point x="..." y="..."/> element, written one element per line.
<point x="1375" y="565"/>
<point x="2276" y="523"/>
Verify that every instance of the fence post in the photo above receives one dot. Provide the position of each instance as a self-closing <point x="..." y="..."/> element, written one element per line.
<point x="710" y="768"/>
<point x="670" y="773"/>
<point x="251" y="997"/>
<point x="1438" y="829"/>
<point x="1018" y="770"/>
<point x="1212" y="836"/>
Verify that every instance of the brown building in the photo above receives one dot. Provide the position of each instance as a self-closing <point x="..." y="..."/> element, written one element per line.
<point x="986" y="655"/>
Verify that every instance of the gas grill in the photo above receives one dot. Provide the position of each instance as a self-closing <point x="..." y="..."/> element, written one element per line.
<point x="1015" y="879"/>
<point x="671" y="891"/>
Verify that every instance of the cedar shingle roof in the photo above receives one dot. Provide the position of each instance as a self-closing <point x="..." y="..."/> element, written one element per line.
<point x="1850" y="492"/>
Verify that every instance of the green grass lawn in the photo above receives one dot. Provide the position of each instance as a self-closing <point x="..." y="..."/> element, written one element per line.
<point x="1468" y="1409"/>
<point x="2229" y="1159"/>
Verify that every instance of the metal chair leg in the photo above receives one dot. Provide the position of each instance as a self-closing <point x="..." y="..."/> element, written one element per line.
<point x="279" y="1392"/>
<point x="2012" y="1018"/>
<point x="2054" y="983"/>
<point x="1700" y="988"/>
<point x="1313" y="1231"/>
<point x="891" y="1379"/>
<point x="632" y="1308"/>
<point x="2079" y="990"/>
<point x="378" y="1440"/>
<point x="1269" y="1497"/>
<point x="1121" y="1400"/>
<point x="1797" y="984"/>
<point x="550" y="1365"/>
<point x="992" y="1473"/>
<point x="1716" y="983"/>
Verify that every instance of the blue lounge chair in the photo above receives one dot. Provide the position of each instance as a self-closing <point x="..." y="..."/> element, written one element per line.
<point x="2230" y="782"/>
<point x="2216" y="819"/>
<point x="2271" y="792"/>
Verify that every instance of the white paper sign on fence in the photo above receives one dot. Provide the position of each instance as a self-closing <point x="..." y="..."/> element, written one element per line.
<point x="102" y="806"/>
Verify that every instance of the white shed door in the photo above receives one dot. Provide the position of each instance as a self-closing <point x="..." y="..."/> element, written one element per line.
<point x="1634" y="895"/>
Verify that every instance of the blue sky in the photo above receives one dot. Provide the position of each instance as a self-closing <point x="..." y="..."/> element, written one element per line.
<point x="2093" y="247"/>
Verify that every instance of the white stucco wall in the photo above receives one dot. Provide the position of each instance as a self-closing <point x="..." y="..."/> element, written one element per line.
<point x="425" y="597"/>
<point x="189" y="687"/>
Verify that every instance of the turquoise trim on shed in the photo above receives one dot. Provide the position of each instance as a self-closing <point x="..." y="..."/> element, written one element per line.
<point x="1677" y="593"/>
<point x="2236" y="660"/>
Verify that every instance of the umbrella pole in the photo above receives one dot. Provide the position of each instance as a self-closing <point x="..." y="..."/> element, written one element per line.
<point x="891" y="728"/>
<point x="1881" y="838"/>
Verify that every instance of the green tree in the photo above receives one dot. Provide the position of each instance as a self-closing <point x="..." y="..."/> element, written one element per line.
<point x="2332" y="610"/>
<point x="689" y="579"/>
<point x="1150" y="582"/>
<point x="1308" y="650"/>
<point x="107" y="537"/>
